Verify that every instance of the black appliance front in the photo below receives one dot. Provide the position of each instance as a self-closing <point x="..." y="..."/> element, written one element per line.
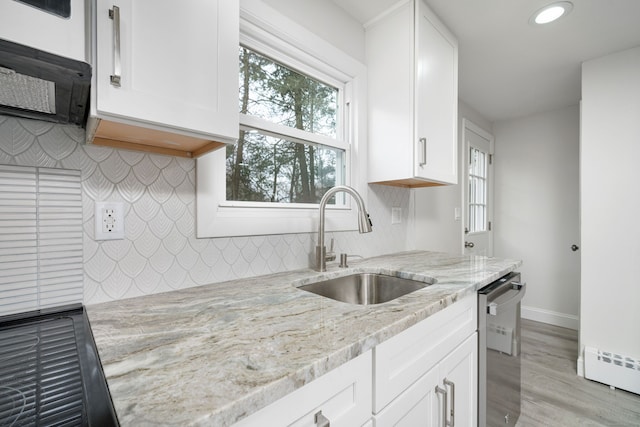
<point x="50" y="373"/>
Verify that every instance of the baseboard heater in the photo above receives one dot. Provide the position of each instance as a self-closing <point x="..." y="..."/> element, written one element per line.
<point x="612" y="369"/>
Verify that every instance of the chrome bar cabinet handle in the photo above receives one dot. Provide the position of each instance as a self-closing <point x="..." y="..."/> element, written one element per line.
<point x="451" y="422"/>
<point x="320" y="420"/>
<point x="423" y="147"/>
<point x="444" y="393"/>
<point x="114" y="14"/>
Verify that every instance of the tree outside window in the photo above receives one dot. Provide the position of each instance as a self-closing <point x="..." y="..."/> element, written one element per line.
<point x="281" y="167"/>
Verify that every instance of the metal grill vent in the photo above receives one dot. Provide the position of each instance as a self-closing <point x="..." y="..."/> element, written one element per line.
<point x="26" y="92"/>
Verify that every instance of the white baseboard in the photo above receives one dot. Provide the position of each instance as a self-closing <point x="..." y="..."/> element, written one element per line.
<point x="551" y="317"/>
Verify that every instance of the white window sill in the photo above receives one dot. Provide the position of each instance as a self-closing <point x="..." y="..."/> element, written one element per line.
<point x="220" y="218"/>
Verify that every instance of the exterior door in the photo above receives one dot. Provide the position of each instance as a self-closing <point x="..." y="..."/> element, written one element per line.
<point x="478" y="190"/>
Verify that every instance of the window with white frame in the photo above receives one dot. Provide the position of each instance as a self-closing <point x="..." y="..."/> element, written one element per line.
<point x="291" y="147"/>
<point x="301" y="119"/>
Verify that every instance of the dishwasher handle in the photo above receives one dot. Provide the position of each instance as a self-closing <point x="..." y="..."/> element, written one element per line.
<point x="502" y="303"/>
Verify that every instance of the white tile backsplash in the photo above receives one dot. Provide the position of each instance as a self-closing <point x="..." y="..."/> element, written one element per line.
<point x="40" y="238"/>
<point x="160" y="252"/>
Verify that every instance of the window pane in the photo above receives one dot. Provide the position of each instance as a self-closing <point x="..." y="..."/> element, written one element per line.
<point x="273" y="92"/>
<point x="264" y="168"/>
<point x="477" y="190"/>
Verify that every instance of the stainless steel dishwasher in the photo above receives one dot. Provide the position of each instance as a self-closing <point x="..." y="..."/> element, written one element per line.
<point x="499" y="351"/>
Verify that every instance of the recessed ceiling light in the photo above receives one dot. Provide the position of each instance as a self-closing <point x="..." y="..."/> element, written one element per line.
<point x="551" y="12"/>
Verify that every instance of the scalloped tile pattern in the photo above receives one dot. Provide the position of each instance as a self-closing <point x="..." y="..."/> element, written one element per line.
<point x="160" y="252"/>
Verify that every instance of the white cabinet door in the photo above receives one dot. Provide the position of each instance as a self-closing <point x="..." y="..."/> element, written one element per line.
<point x="422" y="406"/>
<point x="413" y="95"/>
<point x="178" y="64"/>
<point x="459" y="377"/>
<point x="436" y="99"/>
<point x="404" y="358"/>
<point x="417" y="406"/>
<point x="342" y="395"/>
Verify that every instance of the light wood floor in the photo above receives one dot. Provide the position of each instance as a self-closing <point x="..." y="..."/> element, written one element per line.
<point x="552" y="393"/>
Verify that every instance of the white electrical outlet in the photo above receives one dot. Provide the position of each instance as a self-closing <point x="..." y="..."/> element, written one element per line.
<point x="109" y="218"/>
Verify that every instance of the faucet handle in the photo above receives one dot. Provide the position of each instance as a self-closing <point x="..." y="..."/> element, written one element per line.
<point x="330" y="255"/>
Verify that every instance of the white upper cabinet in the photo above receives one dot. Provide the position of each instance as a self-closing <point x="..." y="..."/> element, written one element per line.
<point x="165" y="74"/>
<point x="413" y="98"/>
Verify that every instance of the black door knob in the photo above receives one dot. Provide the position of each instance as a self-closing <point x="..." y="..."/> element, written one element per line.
<point x="574" y="248"/>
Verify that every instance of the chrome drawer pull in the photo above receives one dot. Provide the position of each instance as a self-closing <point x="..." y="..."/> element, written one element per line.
<point x="321" y="420"/>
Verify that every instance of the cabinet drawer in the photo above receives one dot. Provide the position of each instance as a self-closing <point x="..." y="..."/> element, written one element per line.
<point x="343" y="395"/>
<point x="401" y="360"/>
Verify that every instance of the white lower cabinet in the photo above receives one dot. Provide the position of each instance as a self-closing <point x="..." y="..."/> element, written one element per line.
<point x="342" y="396"/>
<point x="459" y="373"/>
<point x="423" y="367"/>
<point x="404" y="381"/>
<point x="415" y="407"/>
<point x="444" y="396"/>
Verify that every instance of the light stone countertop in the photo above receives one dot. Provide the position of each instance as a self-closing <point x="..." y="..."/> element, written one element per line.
<point x="211" y="355"/>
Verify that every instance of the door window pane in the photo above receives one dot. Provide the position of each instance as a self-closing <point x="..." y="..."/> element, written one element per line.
<point x="478" y="168"/>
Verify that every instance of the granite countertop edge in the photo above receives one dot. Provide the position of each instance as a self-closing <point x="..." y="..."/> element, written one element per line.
<point x="214" y="354"/>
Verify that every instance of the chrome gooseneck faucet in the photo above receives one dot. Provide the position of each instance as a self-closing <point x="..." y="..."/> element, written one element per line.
<point x="364" y="223"/>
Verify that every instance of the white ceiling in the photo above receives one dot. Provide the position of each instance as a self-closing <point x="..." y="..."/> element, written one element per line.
<point x="509" y="68"/>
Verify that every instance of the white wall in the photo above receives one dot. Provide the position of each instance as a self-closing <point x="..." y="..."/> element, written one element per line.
<point x="434" y="225"/>
<point x="537" y="209"/>
<point x="327" y="20"/>
<point x="610" y="206"/>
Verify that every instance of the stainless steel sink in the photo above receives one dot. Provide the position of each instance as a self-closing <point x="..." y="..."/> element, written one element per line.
<point x="364" y="288"/>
